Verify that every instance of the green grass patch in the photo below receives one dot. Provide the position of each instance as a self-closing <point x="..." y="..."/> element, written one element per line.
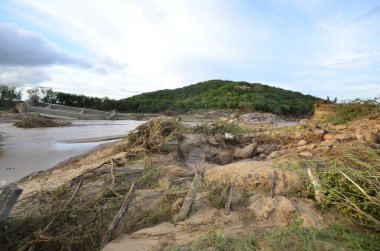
<point x="354" y="110"/>
<point x="335" y="237"/>
<point x="217" y="240"/>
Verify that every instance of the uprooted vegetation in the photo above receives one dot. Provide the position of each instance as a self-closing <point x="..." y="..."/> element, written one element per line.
<point x="36" y="120"/>
<point x="350" y="182"/>
<point x="272" y="199"/>
<point x="152" y="136"/>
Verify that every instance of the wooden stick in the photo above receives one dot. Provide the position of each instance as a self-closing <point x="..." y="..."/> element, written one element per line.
<point x="113" y="177"/>
<point x="118" y="216"/>
<point x="314" y="180"/>
<point x="189" y="197"/>
<point x="227" y="208"/>
<point x="80" y="176"/>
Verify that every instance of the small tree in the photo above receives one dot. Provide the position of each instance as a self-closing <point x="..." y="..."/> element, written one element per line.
<point x="37" y="92"/>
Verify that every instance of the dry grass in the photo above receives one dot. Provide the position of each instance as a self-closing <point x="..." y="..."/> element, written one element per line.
<point x="215" y="192"/>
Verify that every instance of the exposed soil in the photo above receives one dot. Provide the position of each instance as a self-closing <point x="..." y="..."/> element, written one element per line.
<point x="163" y="161"/>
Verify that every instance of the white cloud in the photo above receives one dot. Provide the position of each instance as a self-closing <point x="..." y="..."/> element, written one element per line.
<point x="26" y="48"/>
<point x="145" y="45"/>
<point x="22" y="76"/>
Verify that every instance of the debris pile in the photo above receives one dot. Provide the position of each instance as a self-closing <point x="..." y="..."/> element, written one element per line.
<point x="36" y="120"/>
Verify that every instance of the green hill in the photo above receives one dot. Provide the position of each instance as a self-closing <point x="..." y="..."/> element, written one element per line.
<point x="220" y="94"/>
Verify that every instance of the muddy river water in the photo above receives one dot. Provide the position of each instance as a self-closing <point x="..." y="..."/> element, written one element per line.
<point x="28" y="150"/>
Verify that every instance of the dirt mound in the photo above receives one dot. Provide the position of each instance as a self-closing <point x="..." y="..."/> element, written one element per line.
<point x="281" y="210"/>
<point x="255" y="175"/>
<point x="36" y="120"/>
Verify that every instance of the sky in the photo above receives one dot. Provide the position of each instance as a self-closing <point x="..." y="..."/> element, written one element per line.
<point x="120" y="48"/>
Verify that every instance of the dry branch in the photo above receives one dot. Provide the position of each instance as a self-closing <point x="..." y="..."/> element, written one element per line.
<point x="118" y="216"/>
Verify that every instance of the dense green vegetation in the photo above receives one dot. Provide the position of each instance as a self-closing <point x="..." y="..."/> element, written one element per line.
<point x="212" y="94"/>
<point x="219" y="94"/>
<point x="9" y="96"/>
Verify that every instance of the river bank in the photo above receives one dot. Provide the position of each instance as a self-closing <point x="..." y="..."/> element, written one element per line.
<point x="230" y="183"/>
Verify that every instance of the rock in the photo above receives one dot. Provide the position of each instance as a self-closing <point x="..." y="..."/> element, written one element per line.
<point x="193" y="147"/>
<point x="359" y="136"/>
<point x="221" y="157"/>
<point x="328" y="136"/>
<point x="273" y="155"/>
<point x="262" y="156"/>
<point x="316" y="135"/>
<point x="298" y="135"/>
<point x="311" y="147"/>
<point x="246" y="152"/>
<point x="302" y="142"/>
<point x="370" y="136"/>
<point x="261" y="149"/>
<point x="301" y="148"/>
<point x="306" y="154"/>
<point x="340" y="127"/>
<point x="342" y="137"/>
<point x="329" y="143"/>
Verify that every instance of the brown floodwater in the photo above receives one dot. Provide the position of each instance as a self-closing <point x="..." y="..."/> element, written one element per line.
<point x="29" y="150"/>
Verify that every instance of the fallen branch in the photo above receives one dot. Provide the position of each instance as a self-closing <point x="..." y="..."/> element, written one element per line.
<point x="118" y="216"/>
<point x="113" y="177"/>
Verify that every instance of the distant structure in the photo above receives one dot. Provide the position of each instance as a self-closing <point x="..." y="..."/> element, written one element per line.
<point x="33" y="105"/>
